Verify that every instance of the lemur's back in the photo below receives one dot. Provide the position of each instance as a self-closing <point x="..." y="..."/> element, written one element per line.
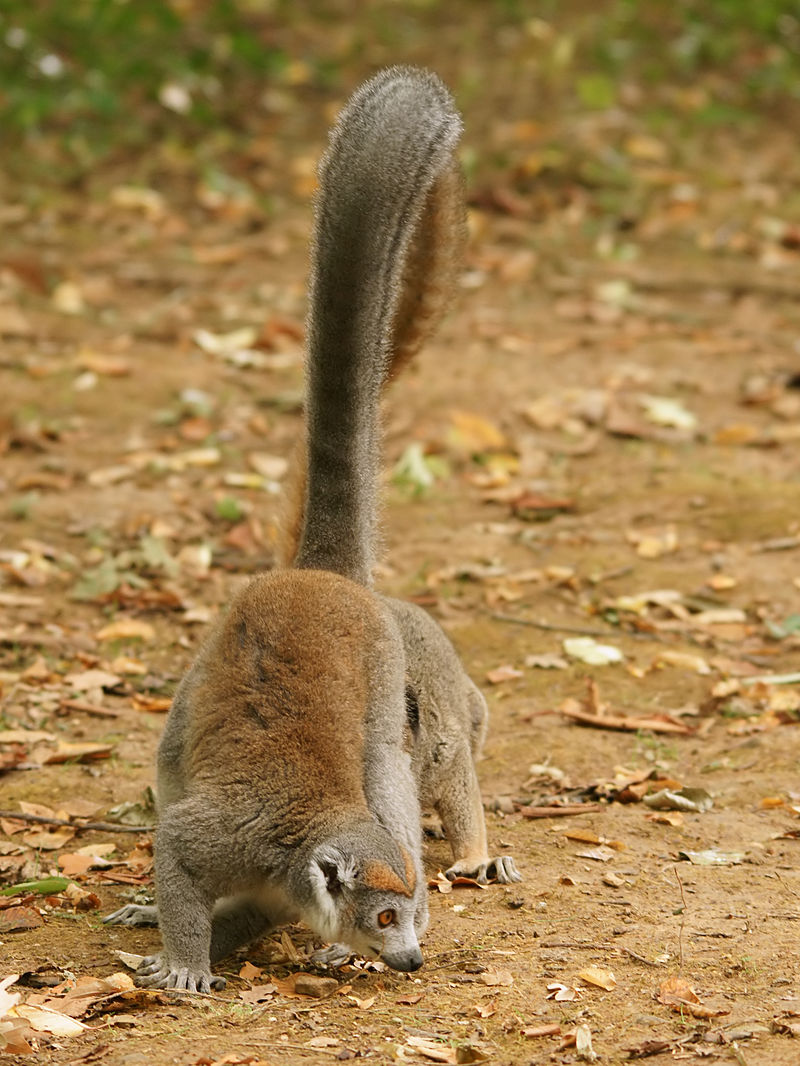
<point x="284" y="685"/>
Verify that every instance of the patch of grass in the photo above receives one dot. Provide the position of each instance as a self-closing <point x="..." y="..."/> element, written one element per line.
<point x="103" y="73"/>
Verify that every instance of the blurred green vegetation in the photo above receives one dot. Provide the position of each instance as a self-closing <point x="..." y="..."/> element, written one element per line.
<point x="100" y="72"/>
<point x="100" y="75"/>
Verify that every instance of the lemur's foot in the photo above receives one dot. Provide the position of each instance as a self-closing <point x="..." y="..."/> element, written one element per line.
<point x="156" y="972"/>
<point x="333" y="955"/>
<point x="503" y="869"/>
<point x="133" y="914"/>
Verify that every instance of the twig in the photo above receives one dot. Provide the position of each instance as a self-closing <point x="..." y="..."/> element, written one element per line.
<point x="266" y="1043"/>
<point x="105" y="827"/>
<point x="640" y="958"/>
<point x="683" y="919"/>
<point x="737" y="1053"/>
<point x="586" y="632"/>
<point x="788" y="888"/>
<point x="609" y="575"/>
<point x="560" y="810"/>
<point x="89" y="708"/>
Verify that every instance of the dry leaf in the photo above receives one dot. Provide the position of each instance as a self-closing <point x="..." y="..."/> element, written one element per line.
<point x="547" y="661"/>
<point x="562" y="993"/>
<point x="86" y="680"/>
<point x="587" y="650"/>
<point x="657" y="723"/>
<point x="684" y="660"/>
<point x="583" y="1043"/>
<point x="67" y="752"/>
<point x="474" y="433"/>
<point x="154" y="704"/>
<point x="678" y="994"/>
<point x="652" y="544"/>
<point x="596" y="975"/>
<point x="258" y="993"/>
<point x="497" y="977"/>
<point x="106" y="365"/>
<point x="684" y="799"/>
<point x="249" y="972"/>
<point x="362" y="1004"/>
<point x="127" y="629"/>
<point x="503" y="673"/>
<point x="673" y="818"/>
<point x="542" y="1030"/>
<point x="44" y="1020"/>
<point x="48" y="839"/>
<point x="24" y="736"/>
<point x="19" y="919"/>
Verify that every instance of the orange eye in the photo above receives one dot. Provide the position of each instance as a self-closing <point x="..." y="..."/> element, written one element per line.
<point x="385" y="918"/>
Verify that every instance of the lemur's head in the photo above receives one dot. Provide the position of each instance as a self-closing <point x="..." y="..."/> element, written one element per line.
<point x="364" y="895"/>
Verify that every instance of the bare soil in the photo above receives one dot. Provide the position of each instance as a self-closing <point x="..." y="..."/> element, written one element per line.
<point x="508" y="576"/>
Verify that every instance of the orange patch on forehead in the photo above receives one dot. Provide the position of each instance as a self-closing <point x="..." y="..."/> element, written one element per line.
<point x="411" y="873"/>
<point x="382" y="877"/>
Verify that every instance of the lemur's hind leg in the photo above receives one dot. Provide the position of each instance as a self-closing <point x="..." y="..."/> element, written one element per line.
<point x="461" y="809"/>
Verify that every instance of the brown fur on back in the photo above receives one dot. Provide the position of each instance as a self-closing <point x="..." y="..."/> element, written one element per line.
<point x="284" y="677"/>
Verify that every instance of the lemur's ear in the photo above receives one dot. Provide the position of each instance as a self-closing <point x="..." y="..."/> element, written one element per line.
<point x="331" y="871"/>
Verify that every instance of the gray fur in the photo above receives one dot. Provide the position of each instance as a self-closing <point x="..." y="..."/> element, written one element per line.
<point x="393" y="140"/>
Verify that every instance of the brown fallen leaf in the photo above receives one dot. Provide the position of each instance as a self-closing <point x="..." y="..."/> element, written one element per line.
<point x="154" y="704"/>
<point x="127" y="629"/>
<point x="673" y="818"/>
<point x="533" y="506"/>
<point x="362" y="1004"/>
<point x="497" y="977"/>
<point x="44" y="1020"/>
<point x="113" y="366"/>
<point x="85" y="680"/>
<point x="503" y="673"/>
<point x="445" y="884"/>
<point x="677" y="994"/>
<point x="77" y="997"/>
<point x="532" y="1033"/>
<point x="656" y="723"/>
<point x="12" y="756"/>
<point x="258" y="993"/>
<point x="652" y="544"/>
<point x="473" y="433"/>
<point x="598" y="976"/>
<point x="18" y="919"/>
<point x="73" y="752"/>
<point x="249" y="972"/>
<point x="560" y="810"/>
<point x="75" y="863"/>
<point x="440" y="1052"/>
<point x="585" y="836"/>
<point x="48" y="839"/>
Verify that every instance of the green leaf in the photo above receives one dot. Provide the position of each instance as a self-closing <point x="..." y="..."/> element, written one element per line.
<point x="786" y="628"/>
<point x="99" y="581"/>
<point x="49" y="886"/>
<point x="596" y="91"/>
<point x="229" y="509"/>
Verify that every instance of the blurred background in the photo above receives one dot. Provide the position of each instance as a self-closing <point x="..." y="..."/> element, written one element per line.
<point x="582" y="92"/>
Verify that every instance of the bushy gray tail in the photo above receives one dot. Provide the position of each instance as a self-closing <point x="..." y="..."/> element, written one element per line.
<point x="389" y="223"/>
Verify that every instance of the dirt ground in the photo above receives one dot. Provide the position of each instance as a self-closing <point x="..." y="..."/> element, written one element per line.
<point x="141" y="469"/>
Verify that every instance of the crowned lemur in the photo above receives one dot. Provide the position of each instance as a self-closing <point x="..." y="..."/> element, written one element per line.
<point x="320" y="716"/>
